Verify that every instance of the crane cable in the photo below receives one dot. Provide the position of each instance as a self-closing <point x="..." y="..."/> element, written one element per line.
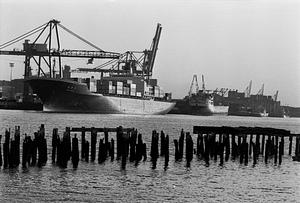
<point x="31" y="32"/>
<point x="82" y="39"/>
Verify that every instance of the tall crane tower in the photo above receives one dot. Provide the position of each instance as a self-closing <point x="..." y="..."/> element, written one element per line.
<point x="194" y="84"/>
<point x="46" y="49"/>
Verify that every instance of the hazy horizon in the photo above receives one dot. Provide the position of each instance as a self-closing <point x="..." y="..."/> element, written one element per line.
<point x="230" y="42"/>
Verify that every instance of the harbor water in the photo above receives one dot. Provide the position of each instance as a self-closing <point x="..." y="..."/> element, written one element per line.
<point x="107" y="182"/>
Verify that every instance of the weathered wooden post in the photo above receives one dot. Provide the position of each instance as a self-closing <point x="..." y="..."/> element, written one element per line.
<point x="221" y="148"/>
<point x="87" y="150"/>
<point x="276" y="149"/>
<point x="267" y="150"/>
<point x="93" y="143"/>
<point x="206" y="153"/>
<point x="119" y="135"/>
<point x="242" y="149"/>
<point x="101" y="152"/>
<point x="189" y="146"/>
<point x="166" y="151"/>
<point x="255" y="152"/>
<point x="162" y="143"/>
<point x="124" y="149"/>
<point x="24" y="153"/>
<point x="246" y="152"/>
<point x="176" y="150"/>
<point x="139" y="149"/>
<point x="17" y="146"/>
<point x="239" y="145"/>
<point x="181" y="143"/>
<point x="227" y="147"/>
<point x="34" y="149"/>
<point x="282" y="140"/>
<point x="263" y="144"/>
<point x="112" y="149"/>
<point x="132" y="143"/>
<point x="0" y="152"/>
<point x="106" y="142"/>
<point x="250" y="144"/>
<point x="54" y="144"/>
<point x="291" y="144"/>
<point x="257" y="138"/>
<point x="6" y="149"/>
<point x="83" y="143"/>
<point x="281" y="143"/>
<point x="154" y="149"/>
<point x="75" y="152"/>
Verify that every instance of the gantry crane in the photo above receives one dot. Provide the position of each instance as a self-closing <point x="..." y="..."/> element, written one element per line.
<point x="38" y="51"/>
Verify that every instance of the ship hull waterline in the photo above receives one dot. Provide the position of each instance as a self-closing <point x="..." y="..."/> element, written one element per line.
<point x="72" y="97"/>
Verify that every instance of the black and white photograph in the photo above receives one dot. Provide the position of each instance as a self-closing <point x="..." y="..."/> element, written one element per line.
<point x="149" y="101"/>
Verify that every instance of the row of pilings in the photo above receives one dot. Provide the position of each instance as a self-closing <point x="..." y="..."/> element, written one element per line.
<point x="212" y="143"/>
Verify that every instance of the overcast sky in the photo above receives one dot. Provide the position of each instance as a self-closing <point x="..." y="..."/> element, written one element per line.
<point x="230" y="42"/>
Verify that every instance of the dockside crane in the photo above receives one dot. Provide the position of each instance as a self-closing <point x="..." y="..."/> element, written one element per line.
<point x="261" y="91"/>
<point x="133" y="62"/>
<point x="248" y="89"/>
<point x="194" y="84"/>
<point x="46" y="50"/>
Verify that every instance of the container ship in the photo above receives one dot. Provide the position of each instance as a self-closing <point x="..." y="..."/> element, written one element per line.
<point x="126" y="87"/>
<point x="198" y="102"/>
<point x="247" y="104"/>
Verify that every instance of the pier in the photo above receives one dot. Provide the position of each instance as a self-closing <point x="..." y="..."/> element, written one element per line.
<point x="246" y="145"/>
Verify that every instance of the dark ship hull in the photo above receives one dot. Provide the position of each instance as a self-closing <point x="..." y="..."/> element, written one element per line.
<point x="183" y="107"/>
<point x="60" y="95"/>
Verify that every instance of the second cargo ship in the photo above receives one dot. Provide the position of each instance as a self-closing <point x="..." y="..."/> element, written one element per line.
<point x="126" y="88"/>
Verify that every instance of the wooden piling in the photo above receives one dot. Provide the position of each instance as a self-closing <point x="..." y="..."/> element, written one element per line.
<point x="221" y="149"/>
<point x="189" y="148"/>
<point x="139" y="149"/>
<point x="87" y="151"/>
<point x="83" y="143"/>
<point x="24" y="152"/>
<point x="34" y="149"/>
<point x="6" y="149"/>
<point x="154" y="149"/>
<point x="257" y="142"/>
<point x="162" y="143"/>
<point x="250" y="144"/>
<point x="276" y="150"/>
<point x="227" y="147"/>
<point x="282" y="140"/>
<point x="119" y="135"/>
<point x="101" y="152"/>
<point x="124" y="149"/>
<point x="291" y="144"/>
<point x="267" y="149"/>
<point x="132" y="143"/>
<point x="206" y="150"/>
<point x="0" y="152"/>
<point x="93" y="144"/>
<point x="166" y="151"/>
<point x="234" y="147"/>
<point x="246" y="153"/>
<point x="75" y="152"/>
<point x="176" y="150"/>
<point x="281" y="143"/>
<point x="17" y="146"/>
<point x="112" y="149"/>
<point x="54" y="144"/>
<point x="263" y="145"/>
<point x="181" y="143"/>
<point x="255" y="152"/>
